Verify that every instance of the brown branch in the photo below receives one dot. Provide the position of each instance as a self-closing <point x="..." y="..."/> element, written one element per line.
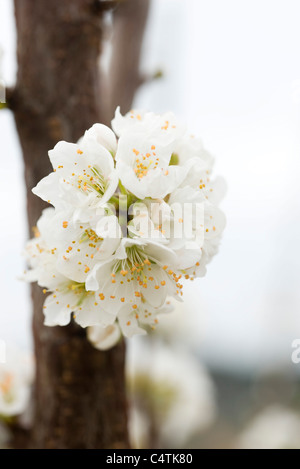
<point x="149" y="78"/>
<point x="80" y="392"/>
<point x="129" y="21"/>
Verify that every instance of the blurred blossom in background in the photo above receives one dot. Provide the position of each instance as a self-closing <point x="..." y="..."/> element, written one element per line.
<point x="16" y="377"/>
<point x="274" y="428"/>
<point x="171" y="395"/>
<point x="231" y="70"/>
<point x="16" y="381"/>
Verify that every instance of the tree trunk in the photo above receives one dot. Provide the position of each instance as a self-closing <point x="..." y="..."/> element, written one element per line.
<point x="129" y="21"/>
<point x="80" y="399"/>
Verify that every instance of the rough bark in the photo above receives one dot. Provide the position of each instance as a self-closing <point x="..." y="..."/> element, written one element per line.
<point x="80" y="397"/>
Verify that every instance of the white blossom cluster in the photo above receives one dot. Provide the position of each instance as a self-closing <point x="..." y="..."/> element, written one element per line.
<point x="134" y="213"/>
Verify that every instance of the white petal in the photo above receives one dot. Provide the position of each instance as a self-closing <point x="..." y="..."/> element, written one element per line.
<point x="121" y="124"/>
<point x="102" y="135"/>
<point x="155" y="293"/>
<point x="102" y="270"/>
<point x="48" y="189"/>
<point x="128" y="323"/>
<point x="161" y="253"/>
<point x="214" y="221"/>
<point x="62" y="156"/>
<point x="188" y="256"/>
<point x="58" y="309"/>
<point x="91" y="313"/>
<point x="104" y="338"/>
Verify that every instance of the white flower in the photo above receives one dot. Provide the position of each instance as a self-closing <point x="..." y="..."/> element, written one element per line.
<point x="141" y="270"/>
<point x="161" y="222"/>
<point x="102" y="135"/>
<point x="146" y="317"/>
<point x="143" y="164"/>
<point x="73" y="247"/>
<point x="69" y="294"/>
<point x="81" y="245"/>
<point x="179" y="157"/>
<point x="129" y="324"/>
<point x="121" y="124"/>
<point x="199" y="178"/>
<point x="201" y="224"/>
<point x="84" y="175"/>
<point x="189" y="147"/>
<point x="71" y="297"/>
<point x="170" y="126"/>
<point x="188" y="224"/>
<point x="144" y="153"/>
<point x="16" y="376"/>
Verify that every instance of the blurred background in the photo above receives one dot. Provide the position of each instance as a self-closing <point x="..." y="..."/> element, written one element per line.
<point x="220" y="372"/>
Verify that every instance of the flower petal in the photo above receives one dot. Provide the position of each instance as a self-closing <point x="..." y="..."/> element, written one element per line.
<point x="104" y="338"/>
